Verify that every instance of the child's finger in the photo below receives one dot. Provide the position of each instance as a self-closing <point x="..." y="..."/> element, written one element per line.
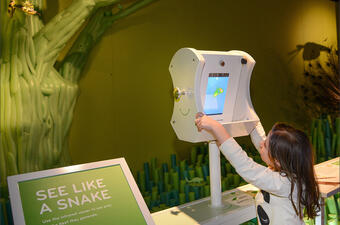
<point x="198" y="127"/>
<point x="198" y="121"/>
<point x="199" y="115"/>
<point x="198" y="124"/>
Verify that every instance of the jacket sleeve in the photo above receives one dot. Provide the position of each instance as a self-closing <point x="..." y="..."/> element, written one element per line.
<point x="260" y="176"/>
<point x="258" y="135"/>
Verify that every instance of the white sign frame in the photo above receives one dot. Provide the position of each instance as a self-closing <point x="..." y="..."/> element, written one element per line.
<point x="14" y="192"/>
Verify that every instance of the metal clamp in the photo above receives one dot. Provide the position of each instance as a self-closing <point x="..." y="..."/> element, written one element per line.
<point x="178" y="94"/>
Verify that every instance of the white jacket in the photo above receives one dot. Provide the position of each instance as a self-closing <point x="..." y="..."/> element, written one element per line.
<point x="272" y="204"/>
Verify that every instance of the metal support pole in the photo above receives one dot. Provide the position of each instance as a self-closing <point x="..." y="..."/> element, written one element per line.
<point x="215" y="175"/>
<point x="320" y="218"/>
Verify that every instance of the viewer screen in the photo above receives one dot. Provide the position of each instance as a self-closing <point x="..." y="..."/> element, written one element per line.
<point x="216" y="93"/>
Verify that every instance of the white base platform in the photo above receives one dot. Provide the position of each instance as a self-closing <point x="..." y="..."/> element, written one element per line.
<point x="238" y="207"/>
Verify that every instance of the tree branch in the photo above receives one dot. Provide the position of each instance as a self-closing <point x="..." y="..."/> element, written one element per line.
<point x="131" y="9"/>
<point x="51" y="39"/>
<point x="74" y="62"/>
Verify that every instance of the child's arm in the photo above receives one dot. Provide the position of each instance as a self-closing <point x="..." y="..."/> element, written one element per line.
<point x="258" y="135"/>
<point x="252" y="172"/>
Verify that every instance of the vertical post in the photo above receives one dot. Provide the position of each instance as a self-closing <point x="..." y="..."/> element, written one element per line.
<point x="320" y="218"/>
<point x="215" y="175"/>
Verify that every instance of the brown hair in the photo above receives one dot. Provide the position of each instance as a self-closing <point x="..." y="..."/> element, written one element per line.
<point x="292" y="149"/>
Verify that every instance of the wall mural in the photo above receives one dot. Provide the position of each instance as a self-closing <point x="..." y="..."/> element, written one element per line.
<point x="319" y="89"/>
<point x="38" y="97"/>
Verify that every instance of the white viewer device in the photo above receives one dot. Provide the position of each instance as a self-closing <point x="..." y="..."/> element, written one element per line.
<point x="216" y="83"/>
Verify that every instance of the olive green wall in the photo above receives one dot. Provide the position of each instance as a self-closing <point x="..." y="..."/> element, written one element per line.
<point x="126" y="104"/>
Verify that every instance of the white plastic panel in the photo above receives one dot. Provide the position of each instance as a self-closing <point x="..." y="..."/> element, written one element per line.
<point x="189" y="70"/>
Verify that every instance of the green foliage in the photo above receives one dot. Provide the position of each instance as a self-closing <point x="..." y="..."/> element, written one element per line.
<point x="332" y="213"/>
<point x="166" y="186"/>
<point x="325" y="138"/>
<point x="320" y="88"/>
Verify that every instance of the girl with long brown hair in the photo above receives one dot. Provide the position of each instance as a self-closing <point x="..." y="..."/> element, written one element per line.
<point x="287" y="185"/>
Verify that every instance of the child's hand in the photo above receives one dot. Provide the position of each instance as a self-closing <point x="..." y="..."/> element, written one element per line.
<point x="204" y="122"/>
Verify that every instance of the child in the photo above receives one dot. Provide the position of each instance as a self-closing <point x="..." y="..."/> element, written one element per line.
<point x="288" y="183"/>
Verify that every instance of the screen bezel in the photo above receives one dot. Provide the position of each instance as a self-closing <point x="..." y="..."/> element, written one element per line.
<point x="231" y="65"/>
<point x="15" y="198"/>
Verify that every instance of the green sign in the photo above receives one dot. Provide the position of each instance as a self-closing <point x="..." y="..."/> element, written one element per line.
<point x="100" y="196"/>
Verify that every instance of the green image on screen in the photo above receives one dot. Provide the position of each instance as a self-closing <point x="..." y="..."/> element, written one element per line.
<point x="100" y="196"/>
<point x="216" y="93"/>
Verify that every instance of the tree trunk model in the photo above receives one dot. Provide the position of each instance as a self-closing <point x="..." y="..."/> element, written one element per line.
<point x="37" y="98"/>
